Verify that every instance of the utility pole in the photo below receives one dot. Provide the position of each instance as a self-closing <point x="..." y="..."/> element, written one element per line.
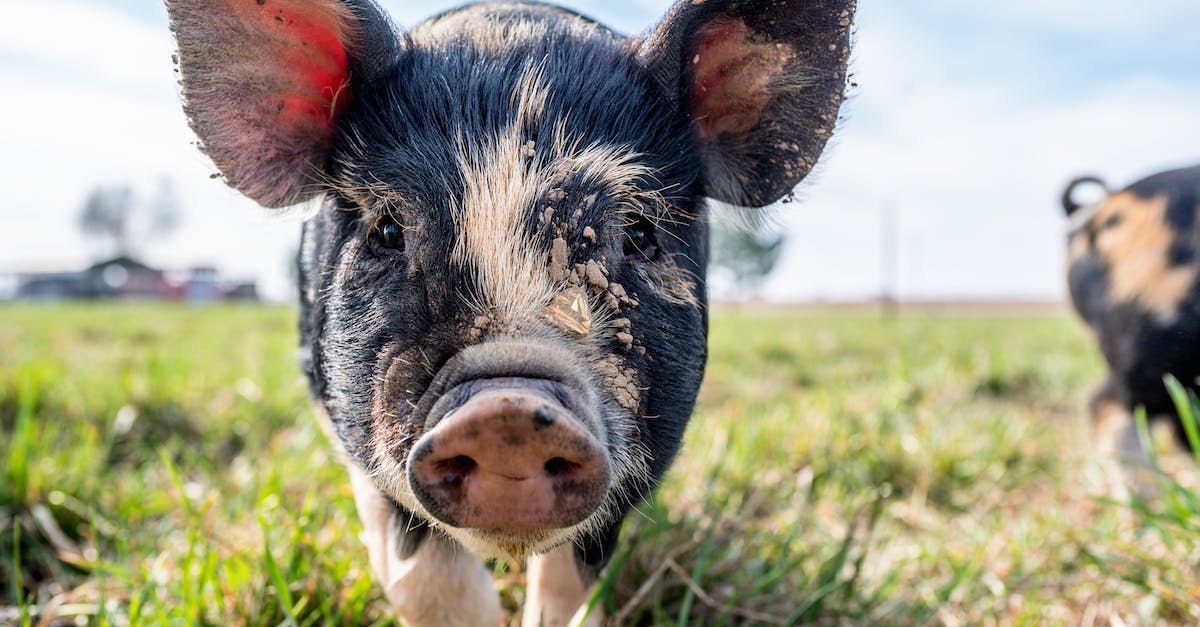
<point x="889" y="262"/>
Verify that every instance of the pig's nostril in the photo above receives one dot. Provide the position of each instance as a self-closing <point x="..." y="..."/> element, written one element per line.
<point x="455" y="469"/>
<point x="558" y="466"/>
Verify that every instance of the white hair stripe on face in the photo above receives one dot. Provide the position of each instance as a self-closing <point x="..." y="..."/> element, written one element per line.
<point x="504" y="177"/>
<point x="1079" y="219"/>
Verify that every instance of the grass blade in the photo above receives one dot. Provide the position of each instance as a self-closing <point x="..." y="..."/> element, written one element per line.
<point x="1185" y="403"/>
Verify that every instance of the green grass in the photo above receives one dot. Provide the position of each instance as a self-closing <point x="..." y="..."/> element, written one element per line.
<point x="161" y="467"/>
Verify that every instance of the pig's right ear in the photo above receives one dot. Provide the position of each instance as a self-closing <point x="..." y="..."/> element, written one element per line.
<point x="264" y="82"/>
<point x="760" y="81"/>
<point x="1069" y="204"/>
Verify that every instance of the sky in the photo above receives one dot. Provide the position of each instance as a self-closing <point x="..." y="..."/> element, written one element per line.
<point x="967" y="120"/>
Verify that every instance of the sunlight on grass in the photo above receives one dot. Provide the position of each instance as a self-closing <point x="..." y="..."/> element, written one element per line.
<point x="161" y="467"/>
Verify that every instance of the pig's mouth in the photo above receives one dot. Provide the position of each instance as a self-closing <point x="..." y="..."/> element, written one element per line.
<point x="513" y="454"/>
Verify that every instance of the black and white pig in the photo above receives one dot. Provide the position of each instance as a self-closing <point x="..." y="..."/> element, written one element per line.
<point x="503" y="297"/>
<point x="1132" y="272"/>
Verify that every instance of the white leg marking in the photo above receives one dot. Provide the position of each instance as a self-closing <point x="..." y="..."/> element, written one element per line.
<point x="1117" y="440"/>
<point x="441" y="585"/>
<point x="556" y="594"/>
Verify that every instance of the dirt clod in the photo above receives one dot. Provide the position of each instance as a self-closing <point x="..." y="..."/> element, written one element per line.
<point x="595" y="274"/>
<point x="558" y="260"/>
<point x="620" y="379"/>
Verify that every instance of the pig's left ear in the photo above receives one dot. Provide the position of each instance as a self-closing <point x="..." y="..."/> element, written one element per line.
<point x="761" y="82"/>
<point x="264" y="82"/>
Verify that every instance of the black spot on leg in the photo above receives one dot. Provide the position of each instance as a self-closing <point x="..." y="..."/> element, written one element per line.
<point x="409" y="530"/>
<point x="593" y="551"/>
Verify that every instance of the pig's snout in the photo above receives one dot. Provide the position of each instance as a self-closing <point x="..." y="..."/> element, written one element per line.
<point x="510" y="460"/>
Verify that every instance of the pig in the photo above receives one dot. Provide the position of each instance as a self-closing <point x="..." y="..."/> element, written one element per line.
<point x="503" y="313"/>
<point x="1132" y="273"/>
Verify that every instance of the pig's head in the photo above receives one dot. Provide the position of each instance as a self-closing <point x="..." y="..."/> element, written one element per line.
<point x="1131" y="252"/>
<point x="1087" y="269"/>
<point x="505" y="309"/>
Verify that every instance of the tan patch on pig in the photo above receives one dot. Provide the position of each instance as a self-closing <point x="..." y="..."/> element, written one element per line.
<point x="1133" y="238"/>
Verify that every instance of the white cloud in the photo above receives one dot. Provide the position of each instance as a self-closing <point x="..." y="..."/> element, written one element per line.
<point x="974" y="166"/>
<point x="99" y="104"/>
<point x="971" y="160"/>
<point x="1101" y="18"/>
<point x="95" y="43"/>
<point x="64" y="136"/>
<point x="102" y="137"/>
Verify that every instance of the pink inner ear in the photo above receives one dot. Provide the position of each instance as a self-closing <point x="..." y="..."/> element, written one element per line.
<point x="307" y="50"/>
<point x="732" y="76"/>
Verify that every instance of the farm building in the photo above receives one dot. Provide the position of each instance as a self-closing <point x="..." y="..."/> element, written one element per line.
<point x="126" y="278"/>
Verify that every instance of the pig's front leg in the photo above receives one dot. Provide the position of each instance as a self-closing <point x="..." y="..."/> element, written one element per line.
<point x="558" y="591"/>
<point x="430" y="580"/>
<point x="1126" y="463"/>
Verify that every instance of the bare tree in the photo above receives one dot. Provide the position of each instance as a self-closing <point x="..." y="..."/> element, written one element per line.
<point x="120" y="223"/>
<point x="165" y="212"/>
<point x="105" y="216"/>
<point x="747" y="253"/>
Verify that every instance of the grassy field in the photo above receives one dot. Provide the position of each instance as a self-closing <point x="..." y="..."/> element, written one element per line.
<point x="161" y="467"/>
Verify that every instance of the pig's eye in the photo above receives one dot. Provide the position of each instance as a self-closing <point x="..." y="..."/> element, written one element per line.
<point x="640" y="242"/>
<point x="388" y="234"/>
